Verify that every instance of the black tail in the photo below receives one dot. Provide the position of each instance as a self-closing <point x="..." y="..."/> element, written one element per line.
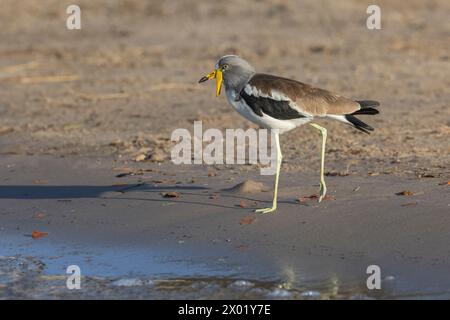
<point x="367" y="107"/>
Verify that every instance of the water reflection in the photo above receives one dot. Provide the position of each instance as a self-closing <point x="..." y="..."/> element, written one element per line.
<point x="28" y="270"/>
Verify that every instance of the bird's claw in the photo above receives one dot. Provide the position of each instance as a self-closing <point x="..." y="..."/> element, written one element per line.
<point x="266" y="210"/>
<point x="322" y="192"/>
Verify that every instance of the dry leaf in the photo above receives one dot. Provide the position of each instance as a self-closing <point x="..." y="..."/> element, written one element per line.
<point x="171" y="194"/>
<point x="247" y="220"/>
<point x="405" y="193"/>
<point x="5" y="130"/>
<point x="306" y="198"/>
<point x="337" y="174"/>
<point x="38" y="234"/>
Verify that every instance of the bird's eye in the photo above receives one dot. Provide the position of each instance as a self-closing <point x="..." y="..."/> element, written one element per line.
<point x="224" y="67"/>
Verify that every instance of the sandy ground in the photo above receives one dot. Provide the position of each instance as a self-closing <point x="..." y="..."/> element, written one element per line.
<point x="132" y="242"/>
<point x="74" y="105"/>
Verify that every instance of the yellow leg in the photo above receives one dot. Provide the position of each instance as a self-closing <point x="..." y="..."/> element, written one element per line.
<point x="323" y="186"/>
<point x="275" y="191"/>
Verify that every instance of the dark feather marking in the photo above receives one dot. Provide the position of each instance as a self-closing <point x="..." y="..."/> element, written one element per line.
<point x="276" y="109"/>
<point x="368" y="103"/>
<point x="367" y="107"/>
<point x="366" y="110"/>
<point x="358" y="124"/>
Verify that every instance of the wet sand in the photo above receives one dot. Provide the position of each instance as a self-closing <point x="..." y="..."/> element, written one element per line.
<point x="131" y="242"/>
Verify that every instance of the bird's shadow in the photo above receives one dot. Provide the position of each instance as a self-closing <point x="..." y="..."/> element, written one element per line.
<point x="124" y="192"/>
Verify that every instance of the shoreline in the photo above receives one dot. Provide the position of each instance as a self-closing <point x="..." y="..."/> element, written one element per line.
<point x="206" y="233"/>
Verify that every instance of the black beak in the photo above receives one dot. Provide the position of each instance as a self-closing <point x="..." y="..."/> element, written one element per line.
<point x="203" y="79"/>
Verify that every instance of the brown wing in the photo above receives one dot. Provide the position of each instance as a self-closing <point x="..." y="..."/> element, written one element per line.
<point x="310" y="100"/>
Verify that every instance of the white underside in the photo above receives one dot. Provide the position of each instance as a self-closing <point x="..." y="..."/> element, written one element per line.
<point x="265" y="121"/>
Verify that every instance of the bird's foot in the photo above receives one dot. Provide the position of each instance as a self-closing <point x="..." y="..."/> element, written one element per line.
<point x="322" y="191"/>
<point x="266" y="210"/>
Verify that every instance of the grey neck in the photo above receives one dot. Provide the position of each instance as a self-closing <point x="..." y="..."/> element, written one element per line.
<point x="237" y="83"/>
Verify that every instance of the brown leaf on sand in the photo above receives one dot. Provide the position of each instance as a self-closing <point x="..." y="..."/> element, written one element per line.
<point x="38" y="234"/>
<point x="242" y="204"/>
<point x="337" y="174"/>
<point x="247" y="220"/>
<point x="307" y="198"/>
<point x="5" y="130"/>
<point x="248" y="186"/>
<point x="171" y="194"/>
<point x="405" y="193"/>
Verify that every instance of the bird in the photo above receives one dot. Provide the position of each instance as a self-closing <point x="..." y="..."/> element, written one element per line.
<point x="282" y="104"/>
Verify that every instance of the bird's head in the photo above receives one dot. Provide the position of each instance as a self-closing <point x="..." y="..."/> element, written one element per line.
<point x="232" y="70"/>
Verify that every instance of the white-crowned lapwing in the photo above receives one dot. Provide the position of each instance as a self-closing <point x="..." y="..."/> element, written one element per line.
<point x="282" y="104"/>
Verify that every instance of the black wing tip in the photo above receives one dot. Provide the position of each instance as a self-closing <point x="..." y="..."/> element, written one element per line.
<point x="367" y="110"/>
<point x="358" y="124"/>
<point x="367" y="107"/>
<point x="368" y="103"/>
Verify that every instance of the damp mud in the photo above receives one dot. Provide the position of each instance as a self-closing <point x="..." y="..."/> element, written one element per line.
<point x="132" y="242"/>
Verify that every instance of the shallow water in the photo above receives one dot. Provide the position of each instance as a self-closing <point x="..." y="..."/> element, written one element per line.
<point x="37" y="269"/>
